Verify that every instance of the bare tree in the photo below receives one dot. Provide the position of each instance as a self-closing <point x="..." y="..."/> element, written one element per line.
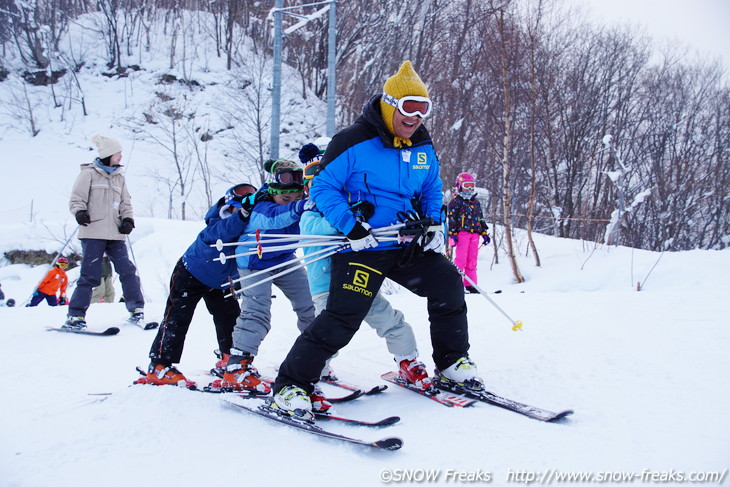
<point x="504" y="57"/>
<point x="22" y="107"/>
<point x="169" y="121"/>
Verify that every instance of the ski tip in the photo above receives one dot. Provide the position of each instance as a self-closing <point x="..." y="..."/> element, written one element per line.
<point x="393" y="443"/>
<point x="561" y="415"/>
<point x="110" y="331"/>
<point x="350" y="397"/>
<point x="151" y="325"/>
<point x="376" y="390"/>
<point x="389" y="421"/>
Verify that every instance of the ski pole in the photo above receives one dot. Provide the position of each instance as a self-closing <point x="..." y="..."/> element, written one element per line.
<point x="287" y="237"/>
<point x="336" y="248"/>
<point x="392" y="229"/>
<point x="219" y="244"/>
<point x="223" y="257"/>
<point x="134" y="259"/>
<point x="277" y="266"/>
<point x="516" y="325"/>
<point x="53" y="262"/>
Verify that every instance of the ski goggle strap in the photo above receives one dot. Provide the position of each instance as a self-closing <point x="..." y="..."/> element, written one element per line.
<point x="410" y="106"/>
<point x="295" y="189"/>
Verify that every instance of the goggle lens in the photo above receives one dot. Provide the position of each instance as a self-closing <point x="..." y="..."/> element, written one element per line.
<point x="243" y="189"/>
<point x="412" y="107"/>
<point x="312" y="169"/>
<point x="468" y="185"/>
<point x="290" y="177"/>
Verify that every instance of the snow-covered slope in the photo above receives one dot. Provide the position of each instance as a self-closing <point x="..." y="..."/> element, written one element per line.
<point x="644" y="372"/>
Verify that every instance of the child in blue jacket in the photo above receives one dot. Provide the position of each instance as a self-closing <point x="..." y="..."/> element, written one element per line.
<point x="194" y="278"/>
<point x="278" y="210"/>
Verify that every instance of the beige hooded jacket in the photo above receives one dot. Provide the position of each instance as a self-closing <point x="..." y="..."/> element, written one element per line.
<point x="107" y="200"/>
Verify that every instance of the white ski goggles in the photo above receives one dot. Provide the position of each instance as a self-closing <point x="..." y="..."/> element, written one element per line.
<point x="410" y="106"/>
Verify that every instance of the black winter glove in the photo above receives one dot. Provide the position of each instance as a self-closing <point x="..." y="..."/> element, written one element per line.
<point x="248" y="202"/>
<point x="83" y="218"/>
<point x="126" y="226"/>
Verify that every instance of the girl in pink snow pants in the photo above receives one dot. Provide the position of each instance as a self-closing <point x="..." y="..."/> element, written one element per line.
<point x="467" y="227"/>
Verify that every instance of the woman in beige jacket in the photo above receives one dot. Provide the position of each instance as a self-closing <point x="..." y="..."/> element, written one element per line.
<point x="102" y="206"/>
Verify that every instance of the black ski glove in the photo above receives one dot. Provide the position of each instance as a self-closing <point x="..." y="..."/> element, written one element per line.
<point x="126" y="226"/>
<point x="83" y="218"/>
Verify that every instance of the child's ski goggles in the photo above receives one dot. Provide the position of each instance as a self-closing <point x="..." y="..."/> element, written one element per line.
<point x="290" y="177"/>
<point x="410" y="106"/>
<point x="312" y="169"/>
<point x="468" y="185"/>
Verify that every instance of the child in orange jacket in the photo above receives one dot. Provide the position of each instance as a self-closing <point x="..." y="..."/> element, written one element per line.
<point x="55" y="281"/>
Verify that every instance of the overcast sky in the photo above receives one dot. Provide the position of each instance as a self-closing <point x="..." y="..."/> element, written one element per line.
<point x="704" y="24"/>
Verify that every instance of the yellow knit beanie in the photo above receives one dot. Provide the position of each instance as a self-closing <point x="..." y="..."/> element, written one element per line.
<point x="405" y="82"/>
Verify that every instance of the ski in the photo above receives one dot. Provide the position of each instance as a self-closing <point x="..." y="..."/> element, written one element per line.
<point x="327" y="379"/>
<point x="358" y="422"/>
<point x="145" y="326"/>
<point x="449" y="400"/>
<point x="346" y="398"/>
<point x="108" y="332"/>
<point x="390" y="443"/>
<point x="509" y="404"/>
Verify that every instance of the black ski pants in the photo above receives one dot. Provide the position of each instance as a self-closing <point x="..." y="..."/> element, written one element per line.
<point x="356" y="279"/>
<point x="185" y="293"/>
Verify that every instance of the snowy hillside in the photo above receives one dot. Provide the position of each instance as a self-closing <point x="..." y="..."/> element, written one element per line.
<point x="644" y="372"/>
<point x="136" y="108"/>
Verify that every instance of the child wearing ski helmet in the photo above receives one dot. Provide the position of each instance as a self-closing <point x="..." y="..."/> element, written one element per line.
<point x="278" y="208"/>
<point x="53" y="286"/>
<point x="196" y="277"/>
<point x="467" y="228"/>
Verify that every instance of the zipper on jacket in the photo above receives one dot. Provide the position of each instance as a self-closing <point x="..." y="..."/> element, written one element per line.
<point x="365" y="180"/>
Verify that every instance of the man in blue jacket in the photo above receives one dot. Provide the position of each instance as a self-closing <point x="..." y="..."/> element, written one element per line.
<point x="194" y="278"/>
<point x="386" y="158"/>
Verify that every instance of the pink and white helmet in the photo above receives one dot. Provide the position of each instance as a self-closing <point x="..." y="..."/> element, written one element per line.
<point x="462" y="178"/>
